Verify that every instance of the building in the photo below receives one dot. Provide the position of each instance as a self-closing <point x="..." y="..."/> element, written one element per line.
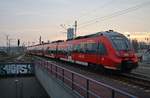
<point x="70" y="33"/>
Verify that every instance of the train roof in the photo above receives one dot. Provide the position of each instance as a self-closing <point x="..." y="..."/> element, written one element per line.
<point x="57" y="41"/>
<point x="109" y="34"/>
<point x="103" y="33"/>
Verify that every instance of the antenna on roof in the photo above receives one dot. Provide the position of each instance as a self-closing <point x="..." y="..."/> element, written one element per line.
<point x="111" y="30"/>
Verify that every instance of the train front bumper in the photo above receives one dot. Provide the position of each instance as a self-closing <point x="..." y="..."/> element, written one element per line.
<point x="127" y="66"/>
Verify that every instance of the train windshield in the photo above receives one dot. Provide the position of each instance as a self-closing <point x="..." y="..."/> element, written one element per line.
<point x="121" y="43"/>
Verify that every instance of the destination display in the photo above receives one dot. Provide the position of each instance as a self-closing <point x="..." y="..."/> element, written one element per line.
<point x="12" y="69"/>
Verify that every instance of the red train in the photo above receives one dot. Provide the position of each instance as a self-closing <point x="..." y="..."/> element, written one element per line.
<point x="109" y="50"/>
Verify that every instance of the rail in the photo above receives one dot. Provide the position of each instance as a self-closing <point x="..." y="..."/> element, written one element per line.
<point x="82" y="85"/>
<point x="137" y="76"/>
<point x="137" y="79"/>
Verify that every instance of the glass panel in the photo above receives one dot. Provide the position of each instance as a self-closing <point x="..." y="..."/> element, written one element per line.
<point x="91" y="48"/>
<point x="121" y="43"/>
<point x="102" y="49"/>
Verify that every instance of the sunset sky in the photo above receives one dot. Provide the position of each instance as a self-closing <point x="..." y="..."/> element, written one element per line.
<point x="28" y="19"/>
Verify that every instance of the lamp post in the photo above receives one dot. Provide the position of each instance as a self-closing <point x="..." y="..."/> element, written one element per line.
<point x="16" y="87"/>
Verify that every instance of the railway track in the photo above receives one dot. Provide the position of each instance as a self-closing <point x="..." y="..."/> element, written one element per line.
<point x="4" y="59"/>
<point x="137" y="79"/>
<point x="14" y="58"/>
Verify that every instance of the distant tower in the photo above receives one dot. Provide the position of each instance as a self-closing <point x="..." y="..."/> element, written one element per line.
<point x="18" y="42"/>
<point x="70" y="33"/>
<point x="75" y="29"/>
<point x="40" y="40"/>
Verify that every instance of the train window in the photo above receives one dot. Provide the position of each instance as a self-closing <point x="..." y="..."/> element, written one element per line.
<point x="69" y="49"/>
<point x="121" y="43"/>
<point x="91" y="48"/>
<point x="49" y="51"/>
<point x="53" y="51"/>
<point x="82" y="48"/>
<point x="60" y="51"/>
<point x="102" y="49"/>
<point x="64" y="51"/>
<point x="77" y="48"/>
<point x="74" y="48"/>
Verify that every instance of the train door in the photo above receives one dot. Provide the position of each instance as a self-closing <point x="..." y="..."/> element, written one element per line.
<point x="69" y="51"/>
<point x="47" y="51"/>
<point x="101" y="54"/>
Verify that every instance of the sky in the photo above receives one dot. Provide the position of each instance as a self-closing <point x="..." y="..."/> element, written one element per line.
<point x="29" y="19"/>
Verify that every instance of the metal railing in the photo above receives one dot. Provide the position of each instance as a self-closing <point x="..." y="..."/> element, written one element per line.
<point x="82" y="85"/>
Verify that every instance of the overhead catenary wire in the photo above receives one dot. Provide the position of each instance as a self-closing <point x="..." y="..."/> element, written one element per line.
<point x="94" y="10"/>
<point x="86" y="14"/>
<point x="113" y="15"/>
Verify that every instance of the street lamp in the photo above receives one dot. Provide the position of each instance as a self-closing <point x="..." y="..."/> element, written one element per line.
<point x="16" y="83"/>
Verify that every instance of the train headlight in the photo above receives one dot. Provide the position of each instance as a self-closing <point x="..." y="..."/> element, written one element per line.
<point x="118" y="54"/>
<point x="126" y="55"/>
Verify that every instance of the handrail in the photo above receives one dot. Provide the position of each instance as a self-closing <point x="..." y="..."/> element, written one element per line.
<point x="53" y="68"/>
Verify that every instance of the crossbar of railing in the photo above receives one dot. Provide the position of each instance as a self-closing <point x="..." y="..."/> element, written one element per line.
<point x="54" y="70"/>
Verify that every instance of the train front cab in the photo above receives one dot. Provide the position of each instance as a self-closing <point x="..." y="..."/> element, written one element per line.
<point x="124" y="53"/>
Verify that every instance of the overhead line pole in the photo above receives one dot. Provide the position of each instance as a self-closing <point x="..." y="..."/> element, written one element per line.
<point x="75" y="30"/>
<point x="7" y="43"/>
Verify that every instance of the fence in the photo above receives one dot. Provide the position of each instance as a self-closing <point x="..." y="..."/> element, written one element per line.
<point x="82" y="85"/>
